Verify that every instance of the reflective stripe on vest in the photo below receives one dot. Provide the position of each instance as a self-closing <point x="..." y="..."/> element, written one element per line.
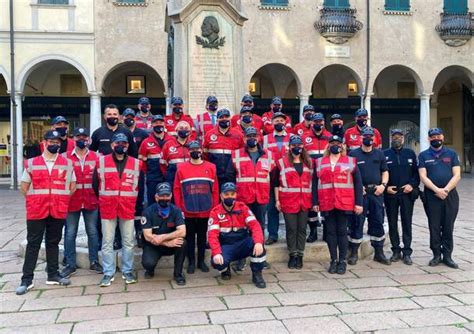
<point x="219" y="151"/>
<point x="231" y="229"/>
<point x="177" y="161"/>
<point x="154" y="156"/>
<point x="197" y="178"/>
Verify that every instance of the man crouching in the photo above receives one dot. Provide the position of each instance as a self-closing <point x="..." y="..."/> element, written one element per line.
<point x="234" y="234"/>
<point x="164" y="231"/>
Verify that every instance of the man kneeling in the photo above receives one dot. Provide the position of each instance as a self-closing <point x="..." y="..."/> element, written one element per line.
<point x="228" y="234"/>
<point x="164" y="231"/>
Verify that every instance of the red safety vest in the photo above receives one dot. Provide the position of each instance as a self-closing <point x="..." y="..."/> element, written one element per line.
<point x="336" y="187"/>
<point x="118" y="195"/>
<point x="84" y="196"/>
<point x="49" y="193"/>
<point x="295" y="190"/>
<point x="270" y="144"/>
<point x="314" y="145"/>
<point x="253" y="181"/>
<point x="205" y="123"/>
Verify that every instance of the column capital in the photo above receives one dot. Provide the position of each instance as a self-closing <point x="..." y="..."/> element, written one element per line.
<point x="94" y="93"/>
<point x="304" y="95"/>
<point x="425" y="96"/>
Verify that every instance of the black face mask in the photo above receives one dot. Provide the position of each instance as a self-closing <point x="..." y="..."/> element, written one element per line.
<point x="212" y="107"/>
<point x="296" y="150"/>
<point x="62" y="131"/>
<point x="335" y="149"/>
<point x="317" y="127"/>
<point x="112" y="120"/>
<point x="251" y="142"/>
<point x="367" y="141"/>
<point x="308" y="116"/>
<point x="436" y="143"/>
<point x="229" y="201"/>
<point x="247" y="119"/>
<point x="143" y="109"/>
<point x="158" y="129"/>
<point x="361" y="122"/>
<point x="54" y="148"/>
<point x="129" y="122"/>
<point x="396" y="144"/>
<point x="177" y="110"/>
<point x="224" y="124"/>
<point x="120" y="149"/>
<point x="195" y="155"/>
<point x="279" y="127"/>
<point x="164" y="203"/>
<point x="276" y="109"/>
<point x="183" y="133"/>
<point x="336" y="128"/>
<point x="81" y="143"/>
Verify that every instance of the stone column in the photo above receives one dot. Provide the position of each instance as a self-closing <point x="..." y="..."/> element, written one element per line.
<point x="424" y="120"/>
<point x="19" y="138"/>
<point x="367" y="106"/>
<point x="304" y="100"/>
<point x="95" y="119"/>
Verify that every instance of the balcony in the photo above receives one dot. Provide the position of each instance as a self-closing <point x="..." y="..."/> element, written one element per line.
<point x="338" y="25"/>
<point x="455" y="29"/>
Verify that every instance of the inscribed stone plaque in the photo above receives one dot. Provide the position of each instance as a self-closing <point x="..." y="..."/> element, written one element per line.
<point x="337" y="51"/>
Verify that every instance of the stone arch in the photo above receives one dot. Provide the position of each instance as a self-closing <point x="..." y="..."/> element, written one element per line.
<point x="348" y="70"/>
<point x="399" y="71"/>
<point x="285" y="70"/>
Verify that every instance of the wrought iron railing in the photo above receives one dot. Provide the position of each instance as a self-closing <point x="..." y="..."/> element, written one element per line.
<point x="455" y="29"/>
<point x="337" y="25"/>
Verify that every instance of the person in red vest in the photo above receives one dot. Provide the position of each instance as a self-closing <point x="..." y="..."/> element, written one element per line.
<point x="353" y="136"/>
<point x="61" y="125"/>
<point x="208" y="119"/>
<point x="235" y="234"/>
<point x="176" y="116"/>
<point x="304" y="127"/>
<point x="292" y="181"/>
<point x="196" y="192"/>
<point x="339" y="195"/>
<point x="116" y="182"/>
<point x="277" y="143"/>
<point x="144" y="117"/>
<point x="267" y="118"/>
<point x="47" y="183"/>
<point x="151" y="152"/>
<point x="315" y="143"/>
<point x="247" y="119"/>
<point x="84" y="201"/>
<point x="219" y="143"/>
<point x="176" y="151"/>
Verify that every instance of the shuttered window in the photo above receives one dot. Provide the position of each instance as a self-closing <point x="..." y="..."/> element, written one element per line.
<point x="455" y="6"/>
<point x="397" y="5"/>
<point x="336" y="3"/>
<point x="274" y="2"/>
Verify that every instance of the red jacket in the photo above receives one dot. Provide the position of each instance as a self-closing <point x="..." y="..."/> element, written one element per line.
<point x="257" y="122"/>
<point x="151" y="149"/>
<point x="242" y="132"/>
<point x="204" y="123"/>
<point x="222" y="223"/>
<point x="84" y="196"/>
<point x="301" y="129"/>
<point x="171" y="122"/>
<point x="143" y="122"/>
<point x="295" y="190"/>
<point x="270" y="144"/>
<point x="336" y="187"/>
<point x="353" y="138"/>
<point x="174" y="153"/>
<point x="70" y="145"/>
<point x="253" y="181"/>
<point x="118" y="195"/>
<point x="48" y="194"/>
<point x="195" y="189"/>
<point x="268" y="126"/>
<point x="315" y="145"/>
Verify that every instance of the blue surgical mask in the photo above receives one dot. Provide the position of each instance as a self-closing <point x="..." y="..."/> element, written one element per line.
<point x="279" y="127"/>
<point x="54" y="148"/>
<point x="247" y="119"/>
<point x="81" y="143"/>
<point x="229" y="201"/>
<point x="251" y="142"/>
<point x="62" y="131"/>
<point x="120" y="149"/>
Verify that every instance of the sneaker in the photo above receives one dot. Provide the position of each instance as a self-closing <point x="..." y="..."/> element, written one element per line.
<point x="106" y="281"/>
<point x="179" y="279"/>
<point x="129" y="278"/>
<point x="67" y="272"/>
<point x="58" y="280"/>
<point x="226" y="275"/>
<point x="95" y="266"/>
<point x="149" y="274"/>
<point x="24" y="288"/>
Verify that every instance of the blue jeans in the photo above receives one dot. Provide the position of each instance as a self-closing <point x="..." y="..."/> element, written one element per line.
<point x="90" y="223"/>
<point x="273" y="218"/>
<point x="108" y="254"/>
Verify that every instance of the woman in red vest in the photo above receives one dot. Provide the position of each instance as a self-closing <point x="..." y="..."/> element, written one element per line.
<point x="292" y="180"/>
<point x="339" y="195"/>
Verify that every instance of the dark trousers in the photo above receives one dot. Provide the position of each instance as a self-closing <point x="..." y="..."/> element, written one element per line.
<point x="336" y="234"/>
<point x="373" y="210"/>
<point x="259" y="211"/>
<point x="152" y="254"/>
<point x="392" y="205"/>
<point x="139" y="205"/>
<point x="51" y="229"/>
<point x="240" y="250"/>
<point x="296" y="232"/>
<point x="196" y="227"/>
<point x="441" y="216"/>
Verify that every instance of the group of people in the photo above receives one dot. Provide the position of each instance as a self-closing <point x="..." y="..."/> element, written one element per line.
<point x="171" y="183"/>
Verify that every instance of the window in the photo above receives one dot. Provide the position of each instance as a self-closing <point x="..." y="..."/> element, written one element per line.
<point x="455" y="6"/>
<point x="397" y="5"/>
<point x="53" y="2"/>
<point x="336" y="3"/>
<point x="274" y="2"/>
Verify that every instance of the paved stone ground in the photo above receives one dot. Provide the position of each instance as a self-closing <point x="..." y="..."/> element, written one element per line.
<point x="369" y="298"/>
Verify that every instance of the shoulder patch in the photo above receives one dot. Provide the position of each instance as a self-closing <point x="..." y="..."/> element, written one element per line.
<point x="143" y="220"/>
<point x="210" y="221"/>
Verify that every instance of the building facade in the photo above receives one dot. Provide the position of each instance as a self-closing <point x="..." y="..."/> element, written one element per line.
<point x="410" y="63"/>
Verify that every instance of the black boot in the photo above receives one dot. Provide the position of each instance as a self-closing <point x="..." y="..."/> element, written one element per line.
<point x="292" y="262"/>
<point x="226" y="275"/>
<point x="447" y="260"/>
<point x="313" y="234"/>
<point x="191" y="268"/>
<point x="352" y="260"/>
<point x="258" y="280"/>
<point x="435" y="260"/>
<point x="396" y="256"/>
<point x="203" y="266"/>
<point x="299" y="262"/>
<point x="332" y="267"/>
<point x="349" y="250"/>
<point x="341" y="267"/>
<point x="379" y="256"/>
